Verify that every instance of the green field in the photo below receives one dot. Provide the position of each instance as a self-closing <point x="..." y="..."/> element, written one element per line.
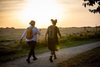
<point x="10" y="49"/>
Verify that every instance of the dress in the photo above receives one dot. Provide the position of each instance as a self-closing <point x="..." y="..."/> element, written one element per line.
<point x="52" y="37"/>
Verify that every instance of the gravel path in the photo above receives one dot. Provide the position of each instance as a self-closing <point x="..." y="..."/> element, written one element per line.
<point x="43" y="61"/>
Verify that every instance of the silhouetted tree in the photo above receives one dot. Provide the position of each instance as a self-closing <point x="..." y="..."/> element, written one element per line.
<point x="92" y="3"/>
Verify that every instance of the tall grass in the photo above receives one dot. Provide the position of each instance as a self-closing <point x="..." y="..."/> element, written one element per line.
<point x="10" y="52"/>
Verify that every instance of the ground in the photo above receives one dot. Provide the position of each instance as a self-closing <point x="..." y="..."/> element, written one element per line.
<point x="43" y="59"/>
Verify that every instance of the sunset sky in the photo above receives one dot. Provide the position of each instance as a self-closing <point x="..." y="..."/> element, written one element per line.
<point x="70" y="13"/>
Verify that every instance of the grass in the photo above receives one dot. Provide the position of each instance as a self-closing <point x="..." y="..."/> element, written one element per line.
<point x="90" y="58"/>
<point x="22" y="50"/>
<point x="13" y="50"/>
<point x="77" y="43"/>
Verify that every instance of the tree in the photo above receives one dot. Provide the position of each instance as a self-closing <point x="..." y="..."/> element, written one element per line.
<point x="92" y="3"/>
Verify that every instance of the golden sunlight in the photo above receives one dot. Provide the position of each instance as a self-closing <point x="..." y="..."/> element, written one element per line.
<point x="41" y="11"/>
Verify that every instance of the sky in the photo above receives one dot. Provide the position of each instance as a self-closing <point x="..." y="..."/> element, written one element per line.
<point x="69" y="13"/>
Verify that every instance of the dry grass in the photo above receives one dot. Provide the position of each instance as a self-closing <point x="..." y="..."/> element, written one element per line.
<point x="9" y="39"/>
<point x="87" y="59"/>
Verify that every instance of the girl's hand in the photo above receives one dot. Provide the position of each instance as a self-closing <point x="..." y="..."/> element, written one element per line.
<point x="20" y="41"/>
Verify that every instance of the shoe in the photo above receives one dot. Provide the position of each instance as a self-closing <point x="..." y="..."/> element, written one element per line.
<point x="50" y="59"/>
<point x="35" y="59"/>
<point x="55" y="57"/>
<point x="28" y="61"/>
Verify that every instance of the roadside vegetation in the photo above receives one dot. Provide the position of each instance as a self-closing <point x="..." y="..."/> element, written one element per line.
<point x="90" y="58"/>
<point x="11" y="52"/>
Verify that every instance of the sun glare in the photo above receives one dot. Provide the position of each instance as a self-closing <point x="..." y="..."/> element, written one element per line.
<point x="41" y="11"/>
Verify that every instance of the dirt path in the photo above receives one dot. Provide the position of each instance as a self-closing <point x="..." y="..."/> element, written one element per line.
<point x="43" y="61"/>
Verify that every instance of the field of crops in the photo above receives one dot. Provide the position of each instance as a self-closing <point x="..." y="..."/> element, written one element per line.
<point x="9" y="39"/>
<point x="13" y="35"/>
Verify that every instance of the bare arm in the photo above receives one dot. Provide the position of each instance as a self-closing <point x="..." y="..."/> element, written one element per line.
<point x="59" y="33"/>
<point x="46" y="34"/>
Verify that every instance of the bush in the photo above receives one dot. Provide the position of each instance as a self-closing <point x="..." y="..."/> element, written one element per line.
<point x="4" y="50"/>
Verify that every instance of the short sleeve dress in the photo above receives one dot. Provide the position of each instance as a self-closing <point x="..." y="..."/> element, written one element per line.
<point x="52" y="37"/>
